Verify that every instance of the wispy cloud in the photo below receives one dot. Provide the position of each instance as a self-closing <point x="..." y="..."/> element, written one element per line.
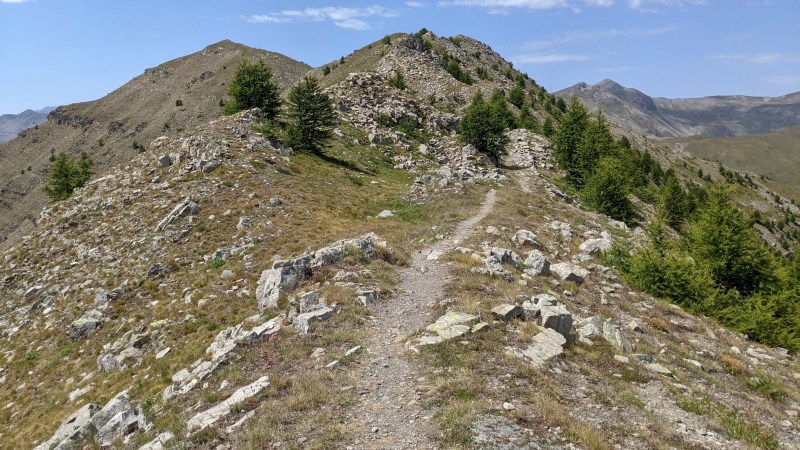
<point x="503" y="6"/>
<point x="587" y="36"/>
<point x="342" y="17"/>
<point x="784" y="80"/>
<point x="759" y="58"/>
<point x="15" y="1"/>
<point x="646" y="5"/>
<point x="551" y="58"/>
<point x="414" y="4"/>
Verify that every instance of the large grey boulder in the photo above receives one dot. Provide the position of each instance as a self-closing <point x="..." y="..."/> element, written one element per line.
<point x="598" y="245"/>
<point x="569" y="272"/>
<point x="527" y="238"/>
<point x="85" y="326"/>
<point x="506" y="312"/>
<point x="286" y="275"/>
<point x="451" y="325"/>
<point x="535" y="264"/>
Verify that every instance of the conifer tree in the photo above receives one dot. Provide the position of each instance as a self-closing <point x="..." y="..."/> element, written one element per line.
<point x="252" y="87"/>
<point x="673" y="203"/>
<point x="483" y="125"/>
<point x="311" y="117"/>
<point x="568" y="137"/>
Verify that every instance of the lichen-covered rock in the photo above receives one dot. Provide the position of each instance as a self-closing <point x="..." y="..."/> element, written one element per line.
<point x="302" y="322"/>
<point x="210" y="416"/>
<point x="569" y="272"/>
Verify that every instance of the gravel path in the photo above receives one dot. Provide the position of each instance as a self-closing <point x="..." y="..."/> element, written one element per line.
<point x="390" y="416"/>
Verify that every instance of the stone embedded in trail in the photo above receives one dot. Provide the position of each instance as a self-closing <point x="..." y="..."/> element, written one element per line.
<point x="569" y="272"/>
<point x="451" y="325"/>
<point x="506" y="312"/>
<point x="536" y="264"/>
<point x="303" y="321"/>
<point x="210" y="416"/>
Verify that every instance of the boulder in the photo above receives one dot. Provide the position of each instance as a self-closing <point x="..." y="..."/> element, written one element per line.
<point x="451" y="325"/>
<point x="613" y="334"/>
<point x="385" y="214"/>
<point x="506" y="312"/>
<point x="569" y="272"/>
<point x="85" y="326"/>
<point x="527" y="238"/>
<point x="184" y="208"/>
<point x="535" y="264"/>
<point x="303" y="321"/>
<point x="546" y="345"/>
<point x="557" y="318"/>
<point x="598" y="245"/>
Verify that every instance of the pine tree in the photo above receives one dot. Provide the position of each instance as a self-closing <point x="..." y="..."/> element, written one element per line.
<point x="66" y="175"/>
<point x="252" y="87"/>
<point x="483" y="125"/>
<point x="721" y="237"/>
<point x="673" y="203"/>
<point x="606" y="191"/>
<point x="569" y="135"/>
<point x="516" y="96"/>
<point x="596" y="142"/>
<point x="311" y="116"/>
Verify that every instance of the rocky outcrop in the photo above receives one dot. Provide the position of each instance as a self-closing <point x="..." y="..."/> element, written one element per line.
<point x="451" y="325"/>
<point x="286" y="274"/>
<point x="118" y="418"/>
<point x="208" y="417"/>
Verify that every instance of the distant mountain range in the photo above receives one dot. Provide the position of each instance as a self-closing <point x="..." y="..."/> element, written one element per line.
<point x="12" y="124"/>
<point x="722" y="116"/>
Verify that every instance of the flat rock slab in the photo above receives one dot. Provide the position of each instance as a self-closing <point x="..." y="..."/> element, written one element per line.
<point x="209" y="416"/>
<point x="544" y="346"/>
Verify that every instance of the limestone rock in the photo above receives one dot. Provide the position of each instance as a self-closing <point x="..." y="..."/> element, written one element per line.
<point x="303" y="321"/>
<point x="569" y="272"/>
<point x="546" y="345"/>
<point x="506" y="312"/>
<point x="598" y="245"/>
<point x="613" y="334"/>
<point x="536" y="264"/>
<point x="184" y="208"/>
<point x="210" y="416"/>
<point x="85" y="326"/>
<point x="527" y="238"/>
<point x="73" y="428"/>
<point x="451" y="325"/>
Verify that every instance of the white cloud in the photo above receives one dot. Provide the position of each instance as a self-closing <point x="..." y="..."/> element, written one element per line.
<point x="498" y="5"/>
<point x="602" y="3"/>
<point x="414" y="4"/>
<point x="15" y="1"/>
<point x="551" y="58"/>
<point x="586" y="36"/>
<point x="342" y="17"/>
<point x="642" y="4"/>
<point x="784" y="80"/>
<point x="759" y="58"/>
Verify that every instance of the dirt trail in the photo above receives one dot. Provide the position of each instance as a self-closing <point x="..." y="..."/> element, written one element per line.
<point x="389" y="416"/>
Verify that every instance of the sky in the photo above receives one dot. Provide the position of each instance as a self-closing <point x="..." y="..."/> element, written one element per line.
<point x="55" y="52"/>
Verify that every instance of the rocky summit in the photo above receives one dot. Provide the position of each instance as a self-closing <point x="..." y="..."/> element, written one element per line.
<point x="402" y="289"/>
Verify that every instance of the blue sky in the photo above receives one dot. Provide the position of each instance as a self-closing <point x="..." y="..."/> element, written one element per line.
<point x="65" y="51"/>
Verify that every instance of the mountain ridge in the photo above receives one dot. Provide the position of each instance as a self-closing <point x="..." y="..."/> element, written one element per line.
<point x="720" y="115"/>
